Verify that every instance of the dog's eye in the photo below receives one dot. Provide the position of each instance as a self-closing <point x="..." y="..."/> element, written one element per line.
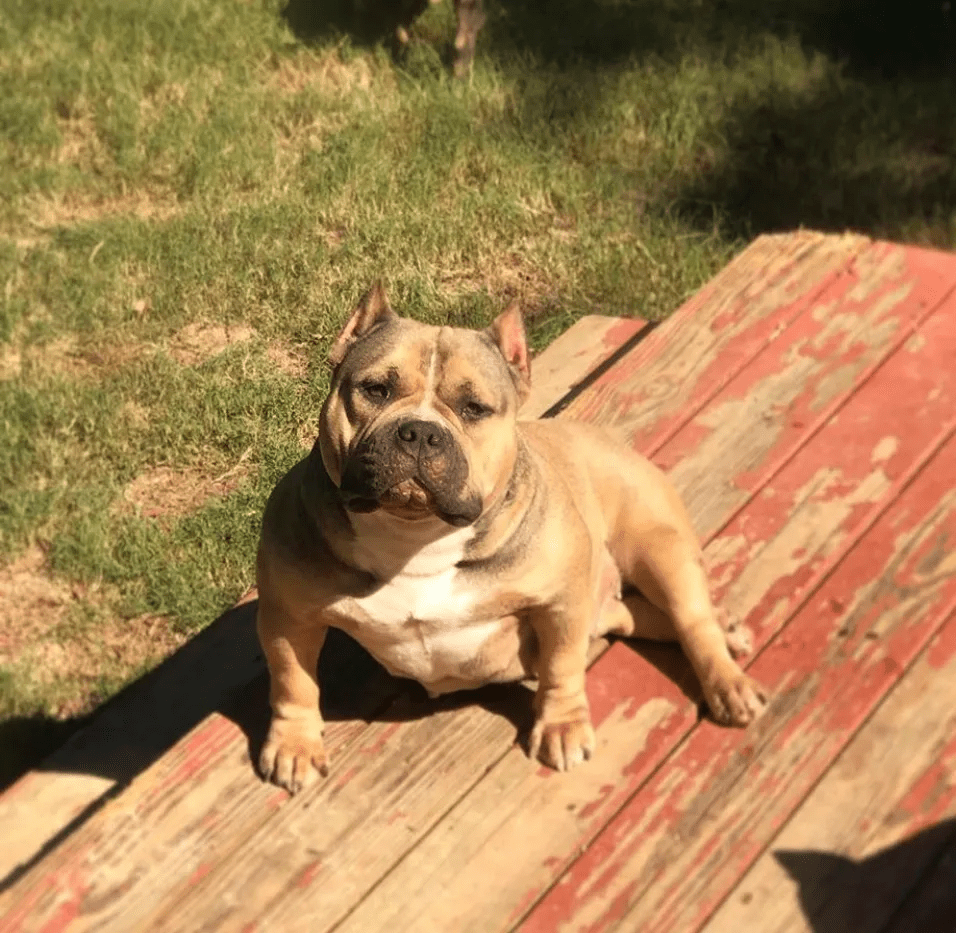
<point x="376" y="391"/>
<point x="475" y="411"/>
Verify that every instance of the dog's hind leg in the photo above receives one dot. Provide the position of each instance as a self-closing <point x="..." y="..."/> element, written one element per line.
<point x="634" y="616"/>
<point x="665" y="564"/>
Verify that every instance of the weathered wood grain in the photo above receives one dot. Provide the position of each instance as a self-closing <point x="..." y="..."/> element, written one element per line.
<point x="765" y="563"/>
<point x="141" y="842"/>
<point x="572" y="357"/>
<point x="131" y="732"/>
<point x="672" y="854"/>
<point x="672" y="374"/>
<point x="860" y="843"/>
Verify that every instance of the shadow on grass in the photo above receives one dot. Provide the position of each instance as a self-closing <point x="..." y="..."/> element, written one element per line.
<point x="871" y="146"/>
<point x="867" y="143"/>
<point x="365" y="22"/>
<point x="820" y="163"/>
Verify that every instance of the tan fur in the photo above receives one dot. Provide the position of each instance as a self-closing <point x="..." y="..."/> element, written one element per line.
<point x="568" y="521"/>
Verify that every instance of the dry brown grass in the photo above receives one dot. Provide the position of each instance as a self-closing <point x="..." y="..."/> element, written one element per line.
<point x="289" y="360"/>
<point x="197" y="342"/>
<point x="32" y="603"/>
<point x="326" y="71"/>
<point x="165" y="493"/>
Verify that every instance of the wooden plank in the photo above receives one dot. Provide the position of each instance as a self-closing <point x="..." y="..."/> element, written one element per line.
<point x="679" y="367"/>
<point x="205" y="780"/>
<point x="150" y="716"/>
<point x="573" y="356"/>
<point x="671" y="855"/>
<point x="48" y="803"/>
<point x="365" y="854"/>
<point x="765" y="563"/>
<point x="860" y="843"/>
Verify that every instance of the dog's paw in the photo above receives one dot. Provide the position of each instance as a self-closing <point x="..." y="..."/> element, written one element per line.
<point x="562" y="745"/>
<point x="562" y="737"/>
<point x="293" y="755"/>
<point x="735" y="699"/>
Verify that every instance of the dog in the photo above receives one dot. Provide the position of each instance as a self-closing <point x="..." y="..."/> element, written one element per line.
<point x="461" y="546"/>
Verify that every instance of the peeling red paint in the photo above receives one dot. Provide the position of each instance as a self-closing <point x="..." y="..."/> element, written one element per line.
<point x="942" y="649"/>
<point x="308" y="874"/>
<point x="382" y="739"/>
<point x="345" y="777"/>
<point x="203" y="869"/>
<point x="194" y="753"/>
<point x="397" y="816"/>
<point x="595" y="806"/>
<point x="616" y="393"/>
<point x="833" y="695"/>
<point x="619" y="333"/>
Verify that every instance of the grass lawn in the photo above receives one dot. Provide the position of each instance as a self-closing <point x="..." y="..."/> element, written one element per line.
<point x="193" y="193"/>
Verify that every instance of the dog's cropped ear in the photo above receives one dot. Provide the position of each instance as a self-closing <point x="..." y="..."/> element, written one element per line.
<point x="507" y="331"/>
<point x="371" y="310"/>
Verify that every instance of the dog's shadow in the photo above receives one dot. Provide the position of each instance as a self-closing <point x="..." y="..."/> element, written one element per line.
<point x="222" y="671"/>
<point x="354" y="687"/>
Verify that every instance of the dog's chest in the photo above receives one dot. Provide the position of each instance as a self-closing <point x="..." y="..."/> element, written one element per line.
<point x="440" y="601"/>
<point x="429" y="620"/>
<point x="428" y="628"/>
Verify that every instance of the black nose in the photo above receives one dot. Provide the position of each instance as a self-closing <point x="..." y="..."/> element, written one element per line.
<point x="425" y="438"/>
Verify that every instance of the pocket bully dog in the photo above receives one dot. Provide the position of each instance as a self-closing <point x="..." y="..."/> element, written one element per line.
<point x="461" y="546"/>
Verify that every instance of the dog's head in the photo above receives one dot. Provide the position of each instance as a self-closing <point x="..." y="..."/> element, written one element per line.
<point x="420" y="420"/>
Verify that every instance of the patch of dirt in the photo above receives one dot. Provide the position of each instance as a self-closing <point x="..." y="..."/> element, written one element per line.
<point x="118" y="649"/>
<point x="110" y="356"/>
<point x="166" y="493"/>
<point x="10" y="362"/>
<point x="134" y="414"/>
<point x="289" y="360"/>
<point x="327" y="71"/>
<point x="308" y="432"/>
<point x="64" y="357"/>
<point x="75" y="207"/>
<point x="510" y="276"/>
<point x="31" y="602"/>
<point x="196" y="342"/>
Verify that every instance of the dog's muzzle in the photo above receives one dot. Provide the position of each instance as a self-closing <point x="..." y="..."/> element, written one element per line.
<point x="413" y="463"/>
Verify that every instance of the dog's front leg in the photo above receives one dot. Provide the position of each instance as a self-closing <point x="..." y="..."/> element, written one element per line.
<point x="293" y="754"/>
<point x="562" y="735"/>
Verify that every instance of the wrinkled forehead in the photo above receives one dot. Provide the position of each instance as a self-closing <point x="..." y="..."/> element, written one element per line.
<point x="470" y="357"/>
<point x="426" y="357"/>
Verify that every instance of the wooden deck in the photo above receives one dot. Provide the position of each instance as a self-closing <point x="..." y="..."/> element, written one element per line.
<point x="804" y="402"/>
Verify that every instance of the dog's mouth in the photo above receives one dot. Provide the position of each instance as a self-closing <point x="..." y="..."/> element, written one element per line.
<point x="410" y="499"/>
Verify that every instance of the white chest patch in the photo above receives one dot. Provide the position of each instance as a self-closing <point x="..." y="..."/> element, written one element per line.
<point x="421" y="623"/>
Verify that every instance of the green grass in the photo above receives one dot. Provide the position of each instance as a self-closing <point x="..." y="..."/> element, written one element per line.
<point x="252" y="164"/>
